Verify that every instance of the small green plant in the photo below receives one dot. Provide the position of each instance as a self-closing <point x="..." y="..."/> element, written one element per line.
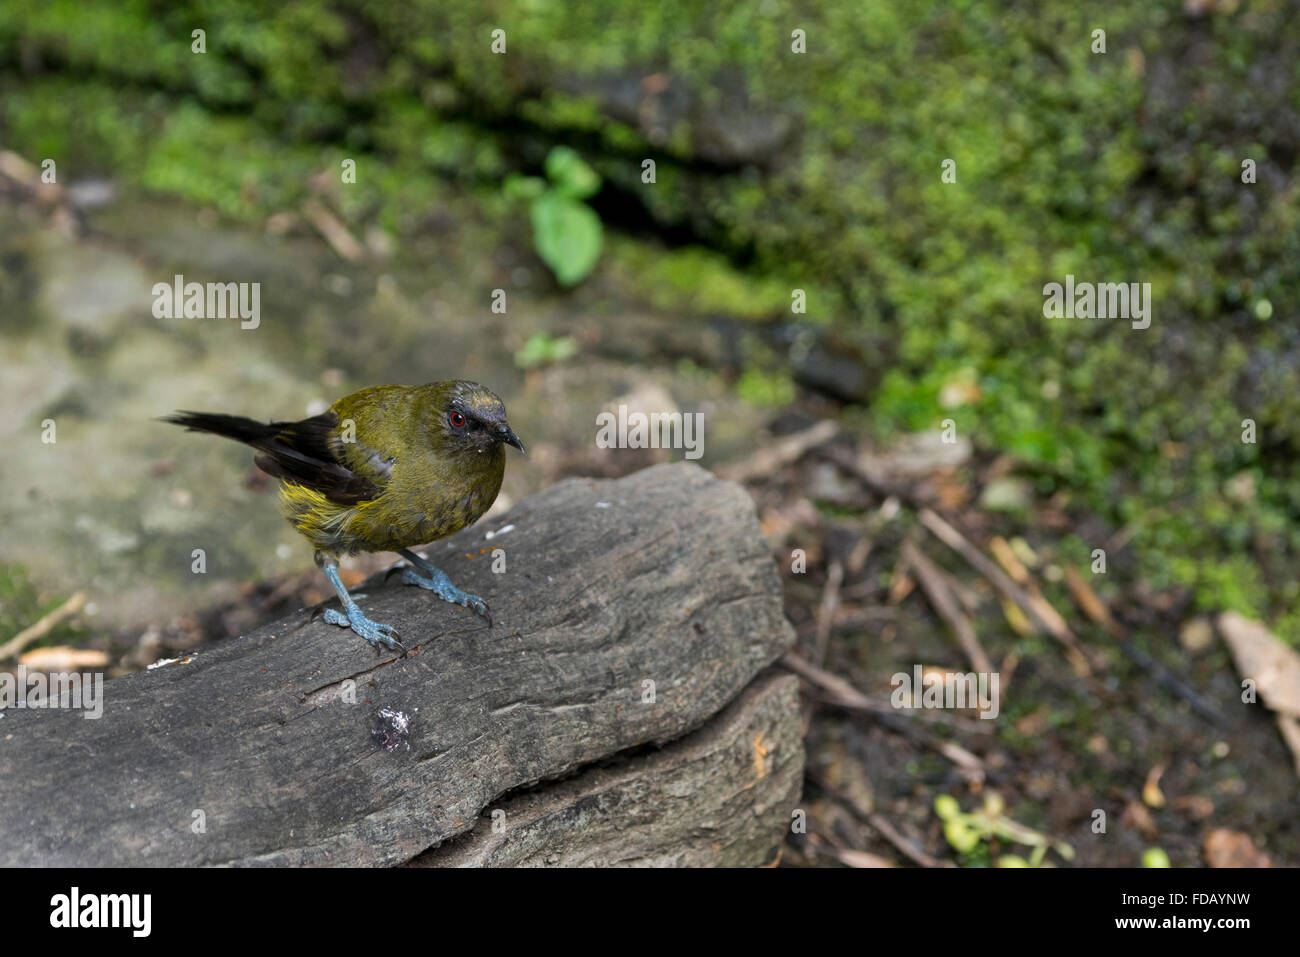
<point x="566" y="231"/>
<point x="773" y="389"/>
<point x="1155" y="857"/>
<point x="964" y="832"/>
<point x="541" y="349"/>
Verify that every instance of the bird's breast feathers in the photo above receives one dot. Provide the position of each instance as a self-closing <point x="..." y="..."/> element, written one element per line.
<point x="413" y="507"/>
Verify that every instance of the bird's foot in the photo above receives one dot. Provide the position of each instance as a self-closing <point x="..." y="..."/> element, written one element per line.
<point x="372" y="631"/>
<point x="436" y="581"/>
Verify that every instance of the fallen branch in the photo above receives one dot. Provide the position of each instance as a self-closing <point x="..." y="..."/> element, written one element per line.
<point x="947" y="605"/>
<point x="878" y="823"/>
<point x="828" y="609"/>
<point x="43" y="627"/>
<point x="844" y="695"/>
<point x="771" y="458"/>
<point x="1089" y="603"/>
<point x="1039" y="612"/>
<point x="1097" y="611"/>
<point x="333" y="231"/>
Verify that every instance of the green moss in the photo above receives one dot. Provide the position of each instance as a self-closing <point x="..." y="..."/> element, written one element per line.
<point x="21" y="605"/>
<point x="695" y="281"/>
<point x="766" y="388"/>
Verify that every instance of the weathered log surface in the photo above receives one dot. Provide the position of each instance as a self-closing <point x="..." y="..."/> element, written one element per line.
<point x="659" y="577"/>
<point x="721" y="796"/>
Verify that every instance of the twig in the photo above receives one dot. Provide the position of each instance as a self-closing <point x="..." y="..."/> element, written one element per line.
<point x="946" y="604"/>
<point x="1089" y="602"/>
<point x="891" y="834"/>
<point x="1171" y="682"/>
<point x="878" y="823"/>
<point x="334" y="232"/>
<point x="846" y="696"/>
<point x="828" y="609"/>
<point x="770" y="458"/>
<point x="851" y="858"/>
<point x="43" y="627"/>
<point x="840" y="692"/>
<point x="1096" y="610"/>
<point x="1020" y="575"/>
<point x="1039" y="612"/>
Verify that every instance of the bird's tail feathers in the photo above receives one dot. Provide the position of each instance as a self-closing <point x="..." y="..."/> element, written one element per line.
<point x="248" y="431"/>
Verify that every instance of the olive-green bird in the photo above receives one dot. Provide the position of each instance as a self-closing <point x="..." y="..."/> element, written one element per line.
<point x="384" y="469"/>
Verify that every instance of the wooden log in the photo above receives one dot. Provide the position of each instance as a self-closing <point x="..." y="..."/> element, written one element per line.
<point x="723" y="795"/>
<point x="628" y="613"/>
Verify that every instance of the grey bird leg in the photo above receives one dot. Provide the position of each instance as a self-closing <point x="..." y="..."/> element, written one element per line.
<point x="427" y="575"/>
<point x="351" y="616"/>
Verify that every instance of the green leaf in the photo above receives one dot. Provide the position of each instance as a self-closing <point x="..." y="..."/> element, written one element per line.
<point x="541" y="348"/>
<point x="567" y="235"/>
<point x="570" y="174"/>
<point x="523" y="187"/>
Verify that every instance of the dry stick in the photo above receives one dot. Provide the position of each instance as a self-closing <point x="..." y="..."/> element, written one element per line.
<point x="1089" y="602"/>
<point x="788" y="449"/>
<point x="1045" y="618"/>
<point x="334" y="232"/>
<point x="946" y="604"/>
<point x="1020" y="575"/>
<point x="851" y="858"/>
<point x="846" y="696"/>
<point x="878" y="823"/>
<point x="891" y="834"/>
<point x="839" y="692"/>
<point x="955" y="540"/>
<point x="828" y="609"/>
<point x="43" y="627"/>
<point x="1041" y="613"/>
<point x="1096" y="609"/>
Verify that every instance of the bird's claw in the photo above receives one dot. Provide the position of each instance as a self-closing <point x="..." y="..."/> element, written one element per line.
<point x="478" y="606"/>
<point x="374" y="632"/>
<point x="441" y="586"/>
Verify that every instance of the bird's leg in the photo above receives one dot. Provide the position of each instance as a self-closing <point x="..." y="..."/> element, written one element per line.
<point x="351" y="616"/>
<point x="427" y="575"/>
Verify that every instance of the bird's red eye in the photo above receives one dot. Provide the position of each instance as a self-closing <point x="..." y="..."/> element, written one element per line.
<point x="457" y="420"/>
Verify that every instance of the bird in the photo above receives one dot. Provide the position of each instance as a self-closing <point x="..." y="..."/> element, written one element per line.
<point x="384" y="469"/>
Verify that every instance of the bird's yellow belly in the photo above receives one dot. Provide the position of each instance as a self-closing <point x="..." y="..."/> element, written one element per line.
<point x="387" y="523"/>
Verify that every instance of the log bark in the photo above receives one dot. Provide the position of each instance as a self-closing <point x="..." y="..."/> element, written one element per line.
<point x="628" y="614"/>
<point x="722" y="795"/>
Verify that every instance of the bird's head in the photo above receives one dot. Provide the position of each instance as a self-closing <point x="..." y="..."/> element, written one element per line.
<point x="471" y="418"/>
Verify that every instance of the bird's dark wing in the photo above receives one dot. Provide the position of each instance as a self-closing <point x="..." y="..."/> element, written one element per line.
<point x="307" y="453"/>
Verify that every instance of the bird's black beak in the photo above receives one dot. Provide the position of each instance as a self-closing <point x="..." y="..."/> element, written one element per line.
<point x="506" y="434"/>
